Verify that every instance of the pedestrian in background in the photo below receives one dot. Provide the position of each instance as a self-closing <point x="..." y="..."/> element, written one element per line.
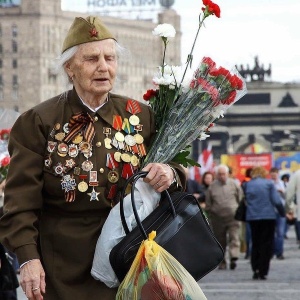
<point x="206" y="180"/>
<point x="222" y="199"/>
<point x="262" y="197"/>
<point x="293" y="201"/>
<point x="280" y="220"/>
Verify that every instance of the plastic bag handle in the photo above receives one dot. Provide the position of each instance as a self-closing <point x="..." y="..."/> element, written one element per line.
<point x="134" y="178"/>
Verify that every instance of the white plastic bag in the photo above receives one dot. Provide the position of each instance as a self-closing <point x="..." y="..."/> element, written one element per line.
<point x="146" y="199"/>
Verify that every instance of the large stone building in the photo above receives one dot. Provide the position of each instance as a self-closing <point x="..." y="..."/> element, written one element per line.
<point x="31" y="36"/>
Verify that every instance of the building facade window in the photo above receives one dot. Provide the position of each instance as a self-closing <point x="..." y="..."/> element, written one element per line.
<point x="14" y="63"/>
<point x="15" y="94"/>
<point x="14" y="30"/>
<point x="14" y="46"/>
<point x="15" y="80"/>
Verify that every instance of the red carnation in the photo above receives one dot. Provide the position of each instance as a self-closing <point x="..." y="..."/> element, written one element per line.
<point x="149" y="94"/>
<point x="5" y="161"/>
<point x="211" y="8"/>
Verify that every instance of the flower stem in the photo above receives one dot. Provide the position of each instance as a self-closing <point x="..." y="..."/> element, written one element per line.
<point x="190" y="56"/>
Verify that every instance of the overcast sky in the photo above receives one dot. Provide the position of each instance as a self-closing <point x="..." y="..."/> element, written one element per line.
<point x="267" y="28"/>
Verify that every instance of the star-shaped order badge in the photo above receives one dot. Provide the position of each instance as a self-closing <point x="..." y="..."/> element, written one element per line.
<point x="94" y="195"/>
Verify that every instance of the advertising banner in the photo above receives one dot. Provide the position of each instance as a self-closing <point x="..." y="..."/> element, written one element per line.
<point x="239" y="163"/>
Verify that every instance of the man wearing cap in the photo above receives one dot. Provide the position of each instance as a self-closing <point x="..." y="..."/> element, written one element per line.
<point x="69" y="158"/>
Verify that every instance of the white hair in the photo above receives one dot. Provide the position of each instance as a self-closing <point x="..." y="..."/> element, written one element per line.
<point x="222" y="166"/>
<point x="63" y="58"/>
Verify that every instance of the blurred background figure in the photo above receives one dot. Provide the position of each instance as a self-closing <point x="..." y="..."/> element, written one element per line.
<point x="222" y="199"/>
<point x="192" y="186"/>
<point x="293" y="200"/>
<point x="285" y="178"/>
<point x="246" y="230"/>
<point x="262" y="197"/>
<point x="206" y="180"/>
<point x="280" y="226"/>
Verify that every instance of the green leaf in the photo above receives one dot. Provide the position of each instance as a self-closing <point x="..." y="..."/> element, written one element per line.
<point x="183" y="158"/>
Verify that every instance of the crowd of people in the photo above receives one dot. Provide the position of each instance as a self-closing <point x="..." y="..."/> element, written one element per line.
<point x="271" y="207"/>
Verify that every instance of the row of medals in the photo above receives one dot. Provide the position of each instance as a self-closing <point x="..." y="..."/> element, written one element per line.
<point x="120" y="142"/>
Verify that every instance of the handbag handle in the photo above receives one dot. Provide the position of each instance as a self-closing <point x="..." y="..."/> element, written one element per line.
<point x="134" y="178"/>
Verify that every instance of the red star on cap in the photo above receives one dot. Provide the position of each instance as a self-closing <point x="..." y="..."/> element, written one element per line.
<point x="93" y="32"/>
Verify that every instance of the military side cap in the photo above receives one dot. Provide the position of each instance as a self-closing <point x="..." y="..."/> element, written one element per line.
<point x="86" y="30"/>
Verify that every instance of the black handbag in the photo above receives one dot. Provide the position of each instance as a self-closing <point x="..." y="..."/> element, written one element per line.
<point x="8" y="277"/>
<point x="240" y="213"/>
<point x="181" y="228"/>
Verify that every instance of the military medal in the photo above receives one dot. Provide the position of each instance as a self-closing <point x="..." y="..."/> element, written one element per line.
<point x="68" y="183"/>
<point x="77" y="139"/>
<point x="66" y="128"/>
<point x="113" y="176"/>
<point x="107" y="140"/>
<point x="76" y="171"/>
<point x="87" y="166"/>
<point x="73" y="150"/>
<point x="70" y="163"/>
<point x="134" y="108"/>
<point x="60" y="136"/>
<point x="112" y="192"/>
<point x="138" y="138"/>
<point x="94" y="195"/>
<point x="125" y="157"/>
<point x="117" y="156"/>
<point x="82" y="186"/>
<point x="119" y="136"/>
<point x="62" y="149"/>
<point x="51" y="146"/>
<point x="59" y="169"/>
<point x="130" y="140"/>
<point x="48" y="161"/>
<point x="134" y="160"/>
<point x="93" y="177"/>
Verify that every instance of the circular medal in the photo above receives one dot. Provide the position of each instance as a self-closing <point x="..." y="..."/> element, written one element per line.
<point x="82" y="186"/>
<point x="119" y="136"/>
<point x="117" y="156"/>
<point x="107" y="143"/>
<point x="62" y="148"/>
<point x="125" y="157"/>
<point x="134" y="160"/>
<point x="77" y="139"/>
<point x="134" y="120"/>
<point x="73" y="150"/>
<point x="101" y="170"/>
<point x="113" y="176"/>
<point x="138" y="138"/>
<point x="130" y="140"/>
<point x="85" y="147"/>
<point x="87" y="166"/>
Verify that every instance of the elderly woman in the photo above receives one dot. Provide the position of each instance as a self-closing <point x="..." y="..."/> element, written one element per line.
<point x="70" y="156"/>
<point x="262" y="199"/>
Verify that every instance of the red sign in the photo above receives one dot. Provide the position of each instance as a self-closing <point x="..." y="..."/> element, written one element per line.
<point x="239" y="163"/>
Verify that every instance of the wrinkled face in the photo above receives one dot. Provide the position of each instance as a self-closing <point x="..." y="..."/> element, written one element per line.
<point x="93" y="68"/>
<point x="222" y="175"/>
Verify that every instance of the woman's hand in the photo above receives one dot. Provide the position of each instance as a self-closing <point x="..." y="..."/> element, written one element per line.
<point x="160" y="176"/>
<point x="32" y="280"/>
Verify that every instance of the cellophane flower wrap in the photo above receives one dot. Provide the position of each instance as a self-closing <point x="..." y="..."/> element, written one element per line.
<point x="211" y="92"/>
<point x="186" y="108"/>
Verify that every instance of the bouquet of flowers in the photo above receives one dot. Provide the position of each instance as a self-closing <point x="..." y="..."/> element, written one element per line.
<point x="4" y="156"/>
<point x="185" y="109"/>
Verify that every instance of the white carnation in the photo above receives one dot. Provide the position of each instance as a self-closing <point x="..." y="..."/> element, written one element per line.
<point x="164" y="30"/>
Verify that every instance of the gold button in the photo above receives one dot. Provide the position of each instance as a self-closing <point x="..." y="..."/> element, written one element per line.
<point x="95" y="118"/>
<point x="98" y="144"/>
<point x="101" y="170"/>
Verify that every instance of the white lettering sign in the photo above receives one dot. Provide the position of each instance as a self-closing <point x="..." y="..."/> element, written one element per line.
<point x="120" y="3"/>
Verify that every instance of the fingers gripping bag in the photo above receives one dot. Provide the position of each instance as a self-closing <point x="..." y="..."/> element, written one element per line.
<point x="156" y="275"/>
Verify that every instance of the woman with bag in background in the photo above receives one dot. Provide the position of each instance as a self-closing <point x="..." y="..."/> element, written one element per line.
<point x="262" y="200"/>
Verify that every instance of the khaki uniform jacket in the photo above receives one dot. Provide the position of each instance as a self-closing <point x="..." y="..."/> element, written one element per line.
<point x="37" y="221"/>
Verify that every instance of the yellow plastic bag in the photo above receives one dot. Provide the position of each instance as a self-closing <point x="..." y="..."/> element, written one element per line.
<point x="156" y="275"/>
